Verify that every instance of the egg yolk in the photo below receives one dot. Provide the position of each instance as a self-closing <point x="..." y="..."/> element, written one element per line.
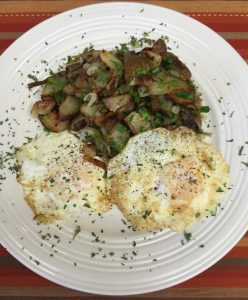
<point x="182" y="181"/>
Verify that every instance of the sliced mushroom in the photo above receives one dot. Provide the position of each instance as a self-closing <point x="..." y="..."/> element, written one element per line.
<point x="135" y="65"/>
<point x="104" y="118"/>
<point x="117" y="103"/>
<point x="69" y="108"/>
<point x="155" y="58"/>
<point x="190" y="119"/>
<point x="52" y="121"/>
<point x="160" y="47"/>
<point x="78" y="122"/>
<point x="167" y="84"/>
<point x="43" y="107"/>
<point x="176" y="67"/>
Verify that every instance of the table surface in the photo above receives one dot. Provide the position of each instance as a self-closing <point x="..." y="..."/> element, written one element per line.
<point x="228" y="278"/>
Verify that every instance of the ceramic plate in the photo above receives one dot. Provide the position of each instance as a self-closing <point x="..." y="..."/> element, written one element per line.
<point x="107" y="256"/>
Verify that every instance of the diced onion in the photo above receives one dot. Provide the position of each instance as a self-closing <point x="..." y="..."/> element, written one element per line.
<point x="175" y="109"/>
<point x="91" y="98"/>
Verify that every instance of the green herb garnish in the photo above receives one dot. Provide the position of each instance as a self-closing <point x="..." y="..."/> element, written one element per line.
<point x="204" y="109"/>
<point x="146" y="214"/>
<point x="184" y="95"/>
<point x="76" y="232"/>
<point x="59" y="97"/>
<point x="56" y="82"/>
<point x="34" y="78"/>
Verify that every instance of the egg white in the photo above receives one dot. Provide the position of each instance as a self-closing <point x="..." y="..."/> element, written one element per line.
<point x="166" y="179"/>
<point x="56" y="179"/>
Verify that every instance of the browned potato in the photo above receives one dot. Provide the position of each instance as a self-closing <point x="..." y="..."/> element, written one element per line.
<point x="117" y="103"/>
<point x="69" y="108"/>
<point x="52" y="121"/>
<point x="136" y="123"/>
<point x="112" y="62"/>
<point x="69" y="89"/>
<point x="90" y="111"/>
<point x="43" y="107"/>
<point x="49" y="90"/>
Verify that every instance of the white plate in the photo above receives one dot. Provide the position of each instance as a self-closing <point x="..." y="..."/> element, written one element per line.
<point x="161" y="261"/>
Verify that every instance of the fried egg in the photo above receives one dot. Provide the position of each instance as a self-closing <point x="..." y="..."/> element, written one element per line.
<point x="167" y="179"/>
<point x="56" y="179"/>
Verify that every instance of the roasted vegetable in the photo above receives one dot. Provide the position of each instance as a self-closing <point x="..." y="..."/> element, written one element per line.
<point x="160" y="47"/>
<point x="175" y="67"/>
<point x="118" y="137"/>
<point x="112" y="62"/>
<point x="69" y="108"/>
<point x="117" y="103"/>
<point x="89" y="150"/>
<point x="90" y="111"/>
<point x="135" y="66"/>
<point x="137" y="123"/>
<point x="43" y="107"/>
<point x="53" y="122"/>
<point x="166" y="84"/>
<point x="78" y="122"/>
<point x="106" y="97"/>
<point x="94" y="136"/>
<point x="155" y="59"/>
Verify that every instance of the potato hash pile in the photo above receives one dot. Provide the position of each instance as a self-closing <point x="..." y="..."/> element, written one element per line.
<point x="106" y="97"/>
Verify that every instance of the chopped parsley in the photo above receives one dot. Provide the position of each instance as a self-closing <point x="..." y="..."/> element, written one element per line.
<point x="241" y="150"/>
<point x="197" y="215"/>
<point x="220" y="190"/>
<point x="56" y="83"/>
<point x="34" y="78"/>
<point x="118" y="67"/>
<point x="140" y="71"/>
<point x="156" y="70"/>
<point x="146" y="214"/>
<point x="121" y="128"/>
<point x="187" y="236"/>
<point x="76" y="232"/>
<point x="205" y="109"/>
<point x="184" y="95"/>
<point x="59" y="97"/>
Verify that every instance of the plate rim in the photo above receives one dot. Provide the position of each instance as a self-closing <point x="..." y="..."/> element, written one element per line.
<point x="39" y="271"/>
